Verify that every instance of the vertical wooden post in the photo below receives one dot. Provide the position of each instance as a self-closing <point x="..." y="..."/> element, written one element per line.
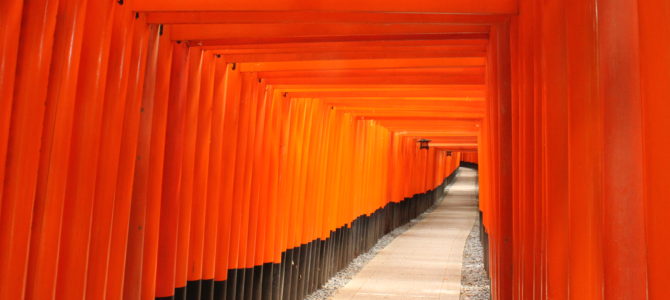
<point x="134" y="253"/>
<point x="57" y="130"/>
<point x="170" y="206"/>
<point x="188" y="166"/>
<point x="111" y="132"/>
<point x="654" y="25"/>
<point x="23" y="144"/>
<point x="10" y="29"/>
<point x="127" y="159"/>
<point x="624" y="245"/>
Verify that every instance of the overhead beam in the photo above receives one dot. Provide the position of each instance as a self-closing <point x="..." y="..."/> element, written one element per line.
<point x="416" y="115"/>
<point x="317" y="17"/>
<point x="447" y="145"/>
<point x="473" y="70"/>
<point x="234" y="31"/>
<point x="402" y="103"/>
<point x="230" y="42"/>
<point x="321" y="54"/>
<point x="453" y="139"/>
<point x="416" y="93"/>
<point x="452" y="133"/>
<point x="363" y="64"/>
<point x="416" y="80"/>
<point x="432" y="6"/>
<point x="416" y="40"/>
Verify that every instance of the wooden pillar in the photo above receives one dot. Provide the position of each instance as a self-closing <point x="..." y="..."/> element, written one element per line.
<point x="654" y="26"/>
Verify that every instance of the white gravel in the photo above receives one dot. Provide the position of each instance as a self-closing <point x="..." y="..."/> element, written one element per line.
<point x="475" y="284"/>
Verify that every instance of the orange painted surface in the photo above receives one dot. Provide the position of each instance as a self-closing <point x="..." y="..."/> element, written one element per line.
<point x="149" y="145"/>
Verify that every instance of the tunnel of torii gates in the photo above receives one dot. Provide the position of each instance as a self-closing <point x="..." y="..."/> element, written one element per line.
<point x="239" y="149"/>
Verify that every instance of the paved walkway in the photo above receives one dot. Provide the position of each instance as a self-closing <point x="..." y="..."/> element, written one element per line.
<point x="425" y="261"/>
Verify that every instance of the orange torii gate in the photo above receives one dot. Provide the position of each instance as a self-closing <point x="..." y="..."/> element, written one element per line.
<point x="250" y="149"/>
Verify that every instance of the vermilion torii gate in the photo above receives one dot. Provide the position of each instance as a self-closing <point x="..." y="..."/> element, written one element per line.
<point x="249" y="149"/>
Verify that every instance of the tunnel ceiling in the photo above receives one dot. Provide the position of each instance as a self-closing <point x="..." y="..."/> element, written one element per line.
<point x="416" y="67"/>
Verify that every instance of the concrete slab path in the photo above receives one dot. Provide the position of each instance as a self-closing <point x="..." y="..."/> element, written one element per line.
<point x="424" y="262"/>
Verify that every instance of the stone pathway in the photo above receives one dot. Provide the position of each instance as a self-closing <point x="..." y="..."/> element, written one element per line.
<point x="425" y="261"/>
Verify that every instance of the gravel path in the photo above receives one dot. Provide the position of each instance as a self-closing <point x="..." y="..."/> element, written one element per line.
<point x="475" y="284"/>
<point x="345" y="275"/>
